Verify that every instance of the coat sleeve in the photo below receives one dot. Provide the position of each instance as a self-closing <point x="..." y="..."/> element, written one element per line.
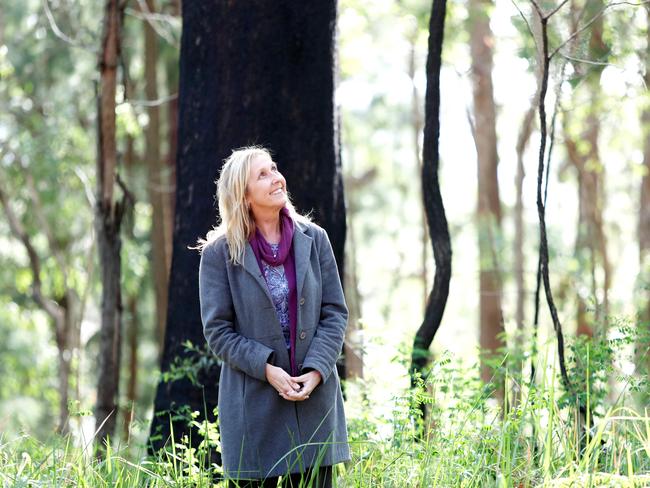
<point x="217" y="315"/>
<point x="328" y="339"/>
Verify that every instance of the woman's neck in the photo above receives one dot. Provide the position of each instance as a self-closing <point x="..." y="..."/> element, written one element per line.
<point x="269" y="227"/>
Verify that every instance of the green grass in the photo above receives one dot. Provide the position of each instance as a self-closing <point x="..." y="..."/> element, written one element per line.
<point x="468" y="442"/>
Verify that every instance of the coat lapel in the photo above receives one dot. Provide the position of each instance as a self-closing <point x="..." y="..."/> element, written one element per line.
<point x="301" y="252"/>
<point x="250" y="265"/>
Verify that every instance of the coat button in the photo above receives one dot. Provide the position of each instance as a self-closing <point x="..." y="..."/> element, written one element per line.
<point x="303" y="335"/>
<point x="302" y="301"/>
<point x="299" y="366"/>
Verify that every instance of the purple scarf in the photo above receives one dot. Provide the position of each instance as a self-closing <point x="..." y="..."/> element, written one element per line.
<point x="263" y="251"/>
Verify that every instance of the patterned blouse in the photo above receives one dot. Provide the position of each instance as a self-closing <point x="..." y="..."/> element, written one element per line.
<point x="279" y="288"/>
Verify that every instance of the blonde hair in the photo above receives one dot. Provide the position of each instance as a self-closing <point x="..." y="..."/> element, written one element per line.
<point x="236" y="220"/>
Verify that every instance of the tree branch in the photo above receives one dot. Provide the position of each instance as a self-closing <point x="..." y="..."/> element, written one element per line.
<point x="592" y="20"/>
<point x="16" y="227"/>
<point x="59" y="33"/>
<point x="45" y="226"/>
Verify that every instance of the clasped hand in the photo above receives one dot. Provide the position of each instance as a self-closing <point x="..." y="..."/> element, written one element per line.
<point x="292" y="388"/>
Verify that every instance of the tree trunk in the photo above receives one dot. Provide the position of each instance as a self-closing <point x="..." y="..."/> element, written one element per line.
<point x="433" y="205"/>
<point x="522" y="141"/>
<point x="131" y="390"/>
<point x="417" y="126"/>
<point x="157" y="184"/>
<point x="542" y="169"/>
<point x="170" y="160"/>
<point x="488" y="209"/>
<point x="643" y="334"/>
<point x="518" y="248"/>
<point x="108" y="219"/>
<point x="353" y="347"/>
<point x="265" y="76"/>
<point x="64" y="326"/>
<point x="170" y="57"/>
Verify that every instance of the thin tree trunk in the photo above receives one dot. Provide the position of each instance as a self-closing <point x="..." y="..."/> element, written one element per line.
<point x="488" y="210"/>
<point x="157" y="184"/>
<point x="519" y="264"/>
<point x="108" y="219"/>
<point x="417" y="125"/>
<point x="131" y="397"/>
<point x="643" y="334"/>
<point x="353" y="347"/>
<point x="63" y="330"/>
<point x="354" y="333"/>
<point x="169" y="202"/>
<point x="542" y="167"/>
<point x="435" y="210"/>
<point x="518" y="245"/>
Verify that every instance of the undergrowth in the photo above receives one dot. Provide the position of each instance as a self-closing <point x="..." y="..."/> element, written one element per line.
<point x="532" y="435"/>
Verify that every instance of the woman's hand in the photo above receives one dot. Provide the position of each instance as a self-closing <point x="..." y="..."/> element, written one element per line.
<point x="309" y="381"/>
<point x="279" y="379"/>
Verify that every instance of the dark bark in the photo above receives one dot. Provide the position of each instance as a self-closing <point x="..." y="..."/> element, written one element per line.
<point x="541" y="211"/>
<point x="262" y="75"/>
<point x="108" y="219"/>
<point x="109" y="244"/>
<point x="543" y="167"/>
<point x="434" y="208"/>
<point x="522" y="141"/>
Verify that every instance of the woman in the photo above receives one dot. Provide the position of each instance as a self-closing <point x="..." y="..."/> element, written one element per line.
<point x="273" y="310"/>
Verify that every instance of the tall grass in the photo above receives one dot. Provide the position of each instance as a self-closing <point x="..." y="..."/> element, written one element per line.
<point x="469" y="440"/>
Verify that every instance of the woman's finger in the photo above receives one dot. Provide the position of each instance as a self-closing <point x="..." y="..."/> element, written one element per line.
<point x="292" y="385"/>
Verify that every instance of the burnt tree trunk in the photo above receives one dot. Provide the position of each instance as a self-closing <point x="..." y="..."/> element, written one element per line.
<point x="433" y="205"/>
<point x="262" y="75"/>
<point x="108" y="219"/>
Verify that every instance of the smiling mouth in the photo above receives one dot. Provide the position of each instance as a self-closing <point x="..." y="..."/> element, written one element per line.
<point x="278" y="191"/>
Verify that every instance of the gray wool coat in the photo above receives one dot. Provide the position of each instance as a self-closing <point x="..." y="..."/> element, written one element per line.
<point x="262" y="434"/>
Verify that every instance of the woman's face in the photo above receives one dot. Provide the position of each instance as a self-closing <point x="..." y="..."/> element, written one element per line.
<point x="266" y="189"/>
